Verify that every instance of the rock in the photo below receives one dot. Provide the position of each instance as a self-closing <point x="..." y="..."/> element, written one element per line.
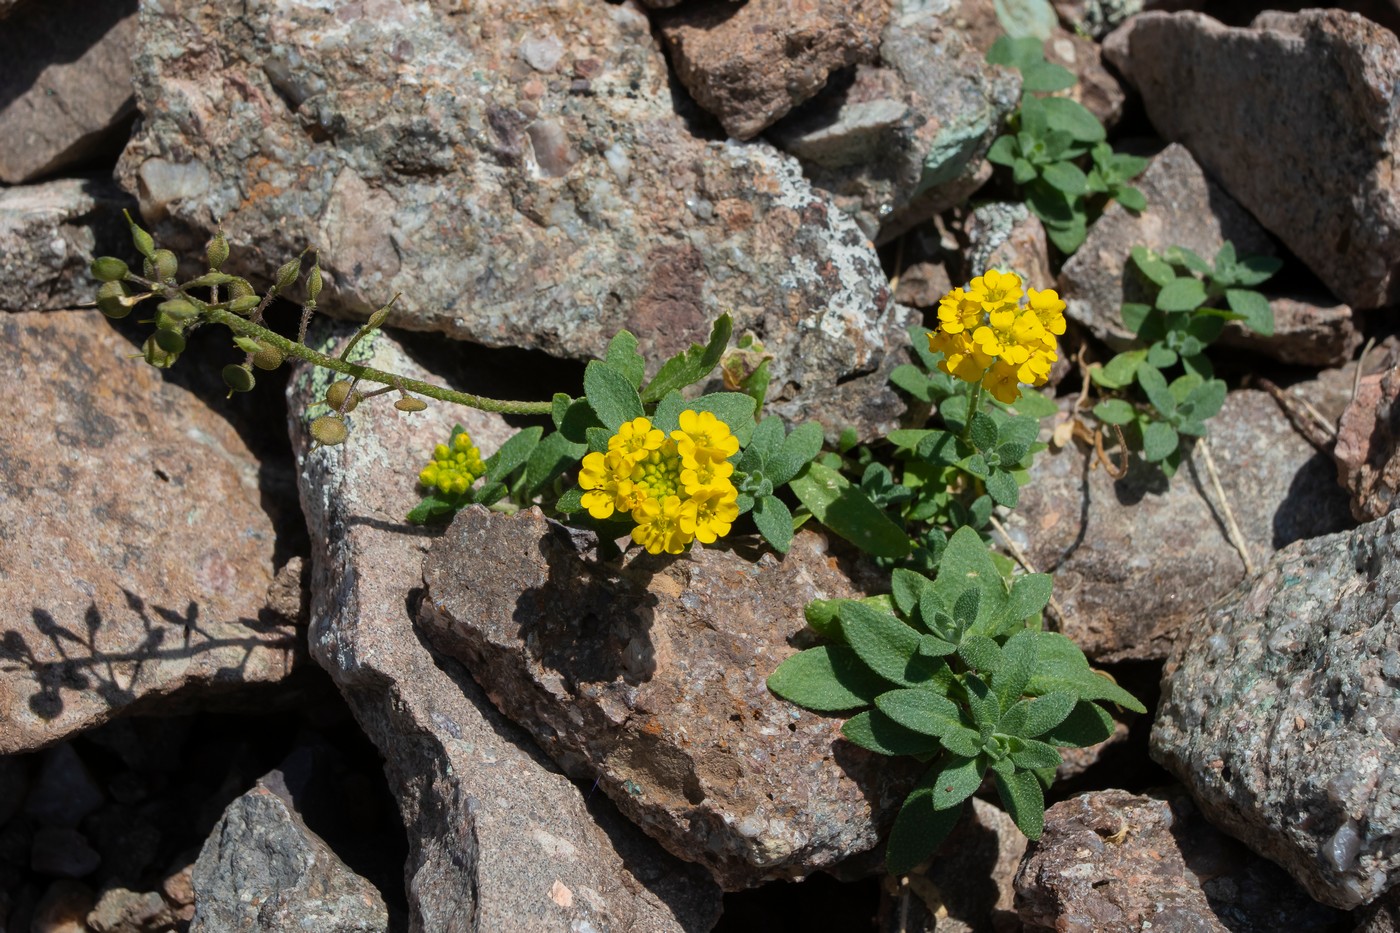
<point x="650" y="678"/>
<point x="1381" y="916"/>
<point x="64" y="792"/>
<point x="62" y="853"/>
<point x="510" y="206"/>
<point x="9" y="6"/>
<point x="1096" y="18"/>
<point x="119" y="910"/>
<point x="1007" y="236"/>
<point x="262" y="869"/>
<point x="905" y="139"/>
<point x="923" y="285"/>
<point x="1136" y="559"/>
<point x="1298" y="119"/>
<point x="65" y="94"/>
<point x="1112" y="860"/>
<point x="137" y="547"/>
<point x="1279" y="714"/>
<point x="1307" y="332"/>
<point x="63" y="908"/>
<point x="749" y="64"/>
<point x="1368" y="444"/>
<point x="14" y="785"/>
<point x="49" y="234"/>
<point x="493" y="829"/>
<point x="1184" y="208"/>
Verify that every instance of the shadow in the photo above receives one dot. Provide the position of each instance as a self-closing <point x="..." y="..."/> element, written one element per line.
<point x="1144" y="479"/>
<point x="109" y="675"/>
<point x="818" y="902"/>
<point x="1314" y="505"/>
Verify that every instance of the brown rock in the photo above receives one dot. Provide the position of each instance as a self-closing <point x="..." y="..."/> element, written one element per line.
<point x="1112" y="860"/>
<point x="651" y="677"/>
<point x="1298" y="117"/>
<point x="492" y="826"/>
<point x="65" y="93"/>
<point x="1006" y="236"/>
<point x="120" y="910"/>
<point x="1368" y="444"/>
<point x="749" y="64"/>
<point x="138" y="549"/>
<point x="923" y="285"/>
<point x="63" y="908"/>
<point x="1307" y="332"/>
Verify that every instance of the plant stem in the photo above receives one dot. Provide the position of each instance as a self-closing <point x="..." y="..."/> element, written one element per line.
<point x="973" y="401"/>
<point x="246" y="328"/>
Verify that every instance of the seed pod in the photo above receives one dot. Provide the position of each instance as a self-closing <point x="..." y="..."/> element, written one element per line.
<point x="160" y="359"/>
<point x="177" y="309"/>
<point x="217" y="251"/>
<point x="313" y="282"/>
<point x="239" y="378"/>
<point x="410" y="404"/>
<point x="338" y="393"/>
<point x="109" y="300"/>
<point x="244" y="304"/>
<point x="239" y="288"/>
<point x="108" y="269"/>
<point x="267" y="357"/>
<point x="167" y="266"/>
<point x="329" y="430"/>
<point x="142" y="240"/>
<point x="208" y="279"/>
<point x="288" y="274"/>
<point x="171" y="341"/>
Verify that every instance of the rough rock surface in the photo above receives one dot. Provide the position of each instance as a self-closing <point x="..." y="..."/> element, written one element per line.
<point x="1007" y="236"/>
<point x="1279" y="713"/>
<point x="50" y="232"/>
<point x="65" y="91"/>
<point x="518" y="172"/>
<point x="1368" y="444"/>
<point x="923" y="285"/>
<point x="749" y="64"/>
<point x="136" y="548"/>
<point x="1112" y="860"/>
<point x="262" y="869"/>
<point x="1298" y="117"/>
<point x="904" y="139"/>
<point x="495" y="832"/>
<point x="1308" y="331"/>
<point x="651" y="677"/>
<point x="1137" y="558"/>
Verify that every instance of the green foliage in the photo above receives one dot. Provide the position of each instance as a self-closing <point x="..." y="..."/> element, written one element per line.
<point x="1052" y="141"/>
<point x="1173" y="331"/>
<point x="955" y="673"/>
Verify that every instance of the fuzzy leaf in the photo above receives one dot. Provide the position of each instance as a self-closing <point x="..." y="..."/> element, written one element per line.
<point x="1159" y="441"/>
<point x="1114" y="411"/>
<point x="923" y="711"/>
<point x="906" y="587"/>
<point x="826" y="679"/>
<point x="958" y="781"/>
<point x="1253" y="309"/>
<point x="1087" y="724"/>
<point x="691" y="365"/>
<point x="798" y="449"/>
<point x="1024" y="801"/>
<point x="1001" y="486"/>
<point x="879" y="733"/>
<point x="919" y="829"/>
<point x="611" y="394"/>
<point x="733" y="408"/>
<point x="845" y="510"/>
<point x="774" y="522"/>
<point x="1183" y="294"/>
<point x="1062" y="113"/>
<point x="1035" y="755"/>
<point x="883" y="642"/>
<point x="622" y="355"/>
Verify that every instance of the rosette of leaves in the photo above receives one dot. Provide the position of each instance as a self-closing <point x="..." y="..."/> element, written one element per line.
<point x="1191" y="300"/>
<point x="954" y="672"/>
<point x="1049" y="138"/>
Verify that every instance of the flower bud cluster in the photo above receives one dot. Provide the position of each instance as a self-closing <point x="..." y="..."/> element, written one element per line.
<point x="454" y="466"/>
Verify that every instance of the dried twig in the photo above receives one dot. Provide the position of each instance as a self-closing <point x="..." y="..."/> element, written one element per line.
<point x="1231" y="527"/>
<point x="1310" y="422"/>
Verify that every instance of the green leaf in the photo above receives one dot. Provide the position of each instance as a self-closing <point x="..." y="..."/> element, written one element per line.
<point x="622" y="355"/>
<point x="1001" y="486"/>
<point x="1206" y="399"/>
<point x="571" y="501"/>
<point x="965" y="608"/>
<point x="1062" y="666"/>
<point x="766" y="442"/>
<point x="434" y="508"/>
<point x="845" y="510"/>
<point x="1016" y="52"/>
<point x="1254" y="270"/>
<point x="1046" y="78"/>
<point x="799" y="448"/>
<point x="1018" y="657"/>
<point x="1070" y="236"/>
<point x="907" y="587"/>
<point x="1070" y="116"/>
<point x="1036" y="405"/>
<point x="1031" y="718"/>
<point x="1131" y="198"/>
<point x="1205" y="328"/>
<point x="1022" y="171"/>
<point x="986" y="709"/>
<point x="774" y="522"/>
<point x="1154" y="385"/>
<point x="1030" y="594"/>
<point x="1183" y="294"/>
<point x="1024" y="801"/>
<point x="1161" y="356"/>
<point x="1253" y="309"/>
<point x="984" y="431"/>
<point x="1159" y="440"/>
<point x="1066" y="177"/>
<point x="692" y="365"/>
<point x="923" y="711"/>
<point x="611" y="394"/>
<point x="576" y="419"/>
<point x="1004" y="151"/>
<point x="735" y="409"/>
<point x="555" y="454"/>
<point x="912" y="380"/>
<point x="1034" y="755"/>
<point x="879" y="733"/>
<point x="1134" y="314"/>
<point x="888" y="646"/>
<point x="1119" y="371"/>
<point x="958" y="781"/>
<point x="513" y="454"/>
<point x="980" y="653"/>
<point x="598" y="439"/>
<point x="826" y="679"/>
<point x="919" y="829"/>
<point x="1087" y="724"/>
<point x="1181" y="256"/>
<point x="966" y="561"/>
<point x="823" y="615"/>
<point x="1114" y="411"/>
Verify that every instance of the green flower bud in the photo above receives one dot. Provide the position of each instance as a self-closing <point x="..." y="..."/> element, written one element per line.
<point x="240" y="288"/>
<point x="167" y="266"/>
<point x="342" y="393"/>
<point x="157" y="357"/>
<point x="410" y="404"/>
<point x="288" y="274"/>
<point x="378" y="318"/>
<point x="142" y="240"/>
<point x="238" y="378"/>
<point x="217" y="251"/>
<point x="171" y="341"/>
<point x="177" y="309"/>
<point x="247" y="344"/>
<point x="267" y="357"/>
<point x="110" y="301"/>
<point x="244" y="304"/>
<point x="209" y="279"/>
<point x="329" y="430"/>
<point x="313" y="282"/>
<point x="108" y="269"/>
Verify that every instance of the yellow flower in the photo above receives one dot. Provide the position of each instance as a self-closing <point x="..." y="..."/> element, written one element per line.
<point x="636" y="438"/>
<point x="705" y="475"/>
<point x="703" y="437"/>
<point x="659" y="526"/>
<point x="996" y="290"/>
<point x="958" y="311"/>
<point x="710" y="512"/>
<point x="608" y="479"/>
<point x="454" y="467"/>
<point x="1001" y="382"/>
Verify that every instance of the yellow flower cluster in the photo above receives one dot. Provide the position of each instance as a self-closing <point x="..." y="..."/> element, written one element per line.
<point x="677" y="489"/>
<point x="453" y="468"/>
<point x="987" y="336"/>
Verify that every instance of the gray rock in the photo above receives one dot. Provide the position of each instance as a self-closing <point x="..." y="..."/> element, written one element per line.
<point x="1111" y="860"/>
<point x="511" y="206"/>
<point x="651" y="677"/>
<point x="1279" y="713"/>
<point x="50" y="232"/>
<point x="1298" y="118"/>
<point x="261" y="869"/>
<point x="1007" y="236"/>
<point x="1308" y="331"/>
<point x="62" y="853"/>
<point x="749" y="64"/>
<point x="1138" y="558"/>
<point x="495" y="832"/>
<point x="1096" y="18"/>
<point x="65" y="93"/>
<point x="137" y="539"/>
<point x="121" y="910"/>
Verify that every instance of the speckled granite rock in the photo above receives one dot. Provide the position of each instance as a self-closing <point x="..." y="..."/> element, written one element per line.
<point x="518" y="172"/>
<point x="1368" y="444"/>
<point x="1112" y="860"/>
<point x="1007" y="236"/>
<point x="651" y="676"/>
<point x="50" y="232"/>
<point x="137" y="544"/>
<point x="749" y="64"/>
<point x="1279" y="713"/>
<point x="1136" y="559"/>
<point x="1298" y="117"/>
<point x="65" y="91"/>
<point x="495" y="832"/>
